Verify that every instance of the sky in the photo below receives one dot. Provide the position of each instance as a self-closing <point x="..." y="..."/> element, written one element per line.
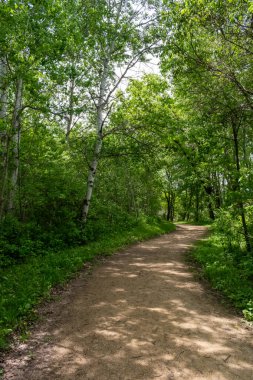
<point x="152" y="67"/>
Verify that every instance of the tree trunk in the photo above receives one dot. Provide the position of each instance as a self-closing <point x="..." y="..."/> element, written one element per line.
<point x="3" y="88"/>
<point x="210" y="209"/>
<point x="4" y="140"/>
<point x="70" y="115"/>
<point x="170" y="198"/>
<point x="15" y="143"/>
<point x="98" y="145"/>
<point x="196" y="217"/>
<point x="238" y="188"/>
<point x="189" y="206"/>
<point x="209" y="191"/>
<point x="5" y="166"/>
<point x="91" y="177"/>
<point x="217" y="191"/>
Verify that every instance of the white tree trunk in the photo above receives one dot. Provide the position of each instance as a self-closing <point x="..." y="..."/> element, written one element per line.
<point x="70" y="115"/>
<point x="15" y="142"/>
<point x="91" y="178"/>
<point x="102" y="103"/>
<point x="98" y="145"/>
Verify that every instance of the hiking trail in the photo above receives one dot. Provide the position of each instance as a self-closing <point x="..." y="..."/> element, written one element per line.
<point x="139" y="314"/>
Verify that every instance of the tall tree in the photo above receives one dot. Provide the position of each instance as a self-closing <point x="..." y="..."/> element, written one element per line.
<point x="208" y="52"/>
<point x="123" y="37"/>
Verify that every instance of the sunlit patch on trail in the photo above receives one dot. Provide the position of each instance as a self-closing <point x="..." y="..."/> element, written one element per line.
<point x="143" y="316"/>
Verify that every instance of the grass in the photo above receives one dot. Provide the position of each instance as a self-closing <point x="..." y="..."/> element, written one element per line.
<point x="24" y="286"/>
<point x="229" y="272"/>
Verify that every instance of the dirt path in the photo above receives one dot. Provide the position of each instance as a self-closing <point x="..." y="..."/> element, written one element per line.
<point x="139" y="315"/>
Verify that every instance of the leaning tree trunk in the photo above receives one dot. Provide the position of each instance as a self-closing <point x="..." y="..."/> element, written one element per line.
<point x="218" y="191"/>
<point x="71" y="112"/>
<point x="98" y="145"/>
<point x="91" y="177"/>
<point x="15" y="144"/>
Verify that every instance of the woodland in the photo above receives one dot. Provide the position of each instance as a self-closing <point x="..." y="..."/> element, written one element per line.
<point x="92" y="156"/>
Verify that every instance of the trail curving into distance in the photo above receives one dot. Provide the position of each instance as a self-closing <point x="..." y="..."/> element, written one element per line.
<point x="140" y="314"/>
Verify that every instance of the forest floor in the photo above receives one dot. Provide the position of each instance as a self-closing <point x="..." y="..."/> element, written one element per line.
<point x="140" y="314"/>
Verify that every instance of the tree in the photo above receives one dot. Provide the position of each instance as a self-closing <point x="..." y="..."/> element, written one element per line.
<point x="123" y="31"/>
<point x="31" y="37"/>
<point x="204" y="53"/>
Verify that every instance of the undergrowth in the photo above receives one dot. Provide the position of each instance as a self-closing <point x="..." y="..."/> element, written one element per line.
<point x="228" y="271"/>
<point x="24" y="285"/>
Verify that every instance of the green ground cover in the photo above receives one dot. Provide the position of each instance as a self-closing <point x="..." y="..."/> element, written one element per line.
<point x="229" y="271"/>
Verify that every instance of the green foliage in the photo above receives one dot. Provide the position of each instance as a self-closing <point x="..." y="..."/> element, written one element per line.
<point x="24" y="285"/>
<point x="181" y="143"/>
<point x="228" y="271"/>
<point x="44" y="167"/>
<point x="248" y="311"/>
<point x="229" y="228"/>
<point x="228" y="224"/>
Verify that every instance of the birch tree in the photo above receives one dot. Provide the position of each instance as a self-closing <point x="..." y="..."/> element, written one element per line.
<point x="32" y="38"/>
<point x="122" y="39"/>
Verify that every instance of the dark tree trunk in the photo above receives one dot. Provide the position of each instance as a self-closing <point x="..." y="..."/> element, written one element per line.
<point x="209" y="191"/>
<point x="238" y="188"/>
<point x="211" y="212"/>
<point x="170" y="197"/>
<point x="196" y="211"/>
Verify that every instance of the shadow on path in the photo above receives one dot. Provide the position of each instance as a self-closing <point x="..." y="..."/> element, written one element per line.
<point x="139" y="315"/>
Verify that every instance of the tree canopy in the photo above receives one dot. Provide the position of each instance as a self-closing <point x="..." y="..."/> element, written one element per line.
<point x="82" y="157"/>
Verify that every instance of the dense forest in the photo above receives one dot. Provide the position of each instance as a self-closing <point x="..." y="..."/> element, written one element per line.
<point x="88" y="150"/>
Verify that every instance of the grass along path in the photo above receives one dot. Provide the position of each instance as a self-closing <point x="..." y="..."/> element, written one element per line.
<point x="233" y="278"/>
